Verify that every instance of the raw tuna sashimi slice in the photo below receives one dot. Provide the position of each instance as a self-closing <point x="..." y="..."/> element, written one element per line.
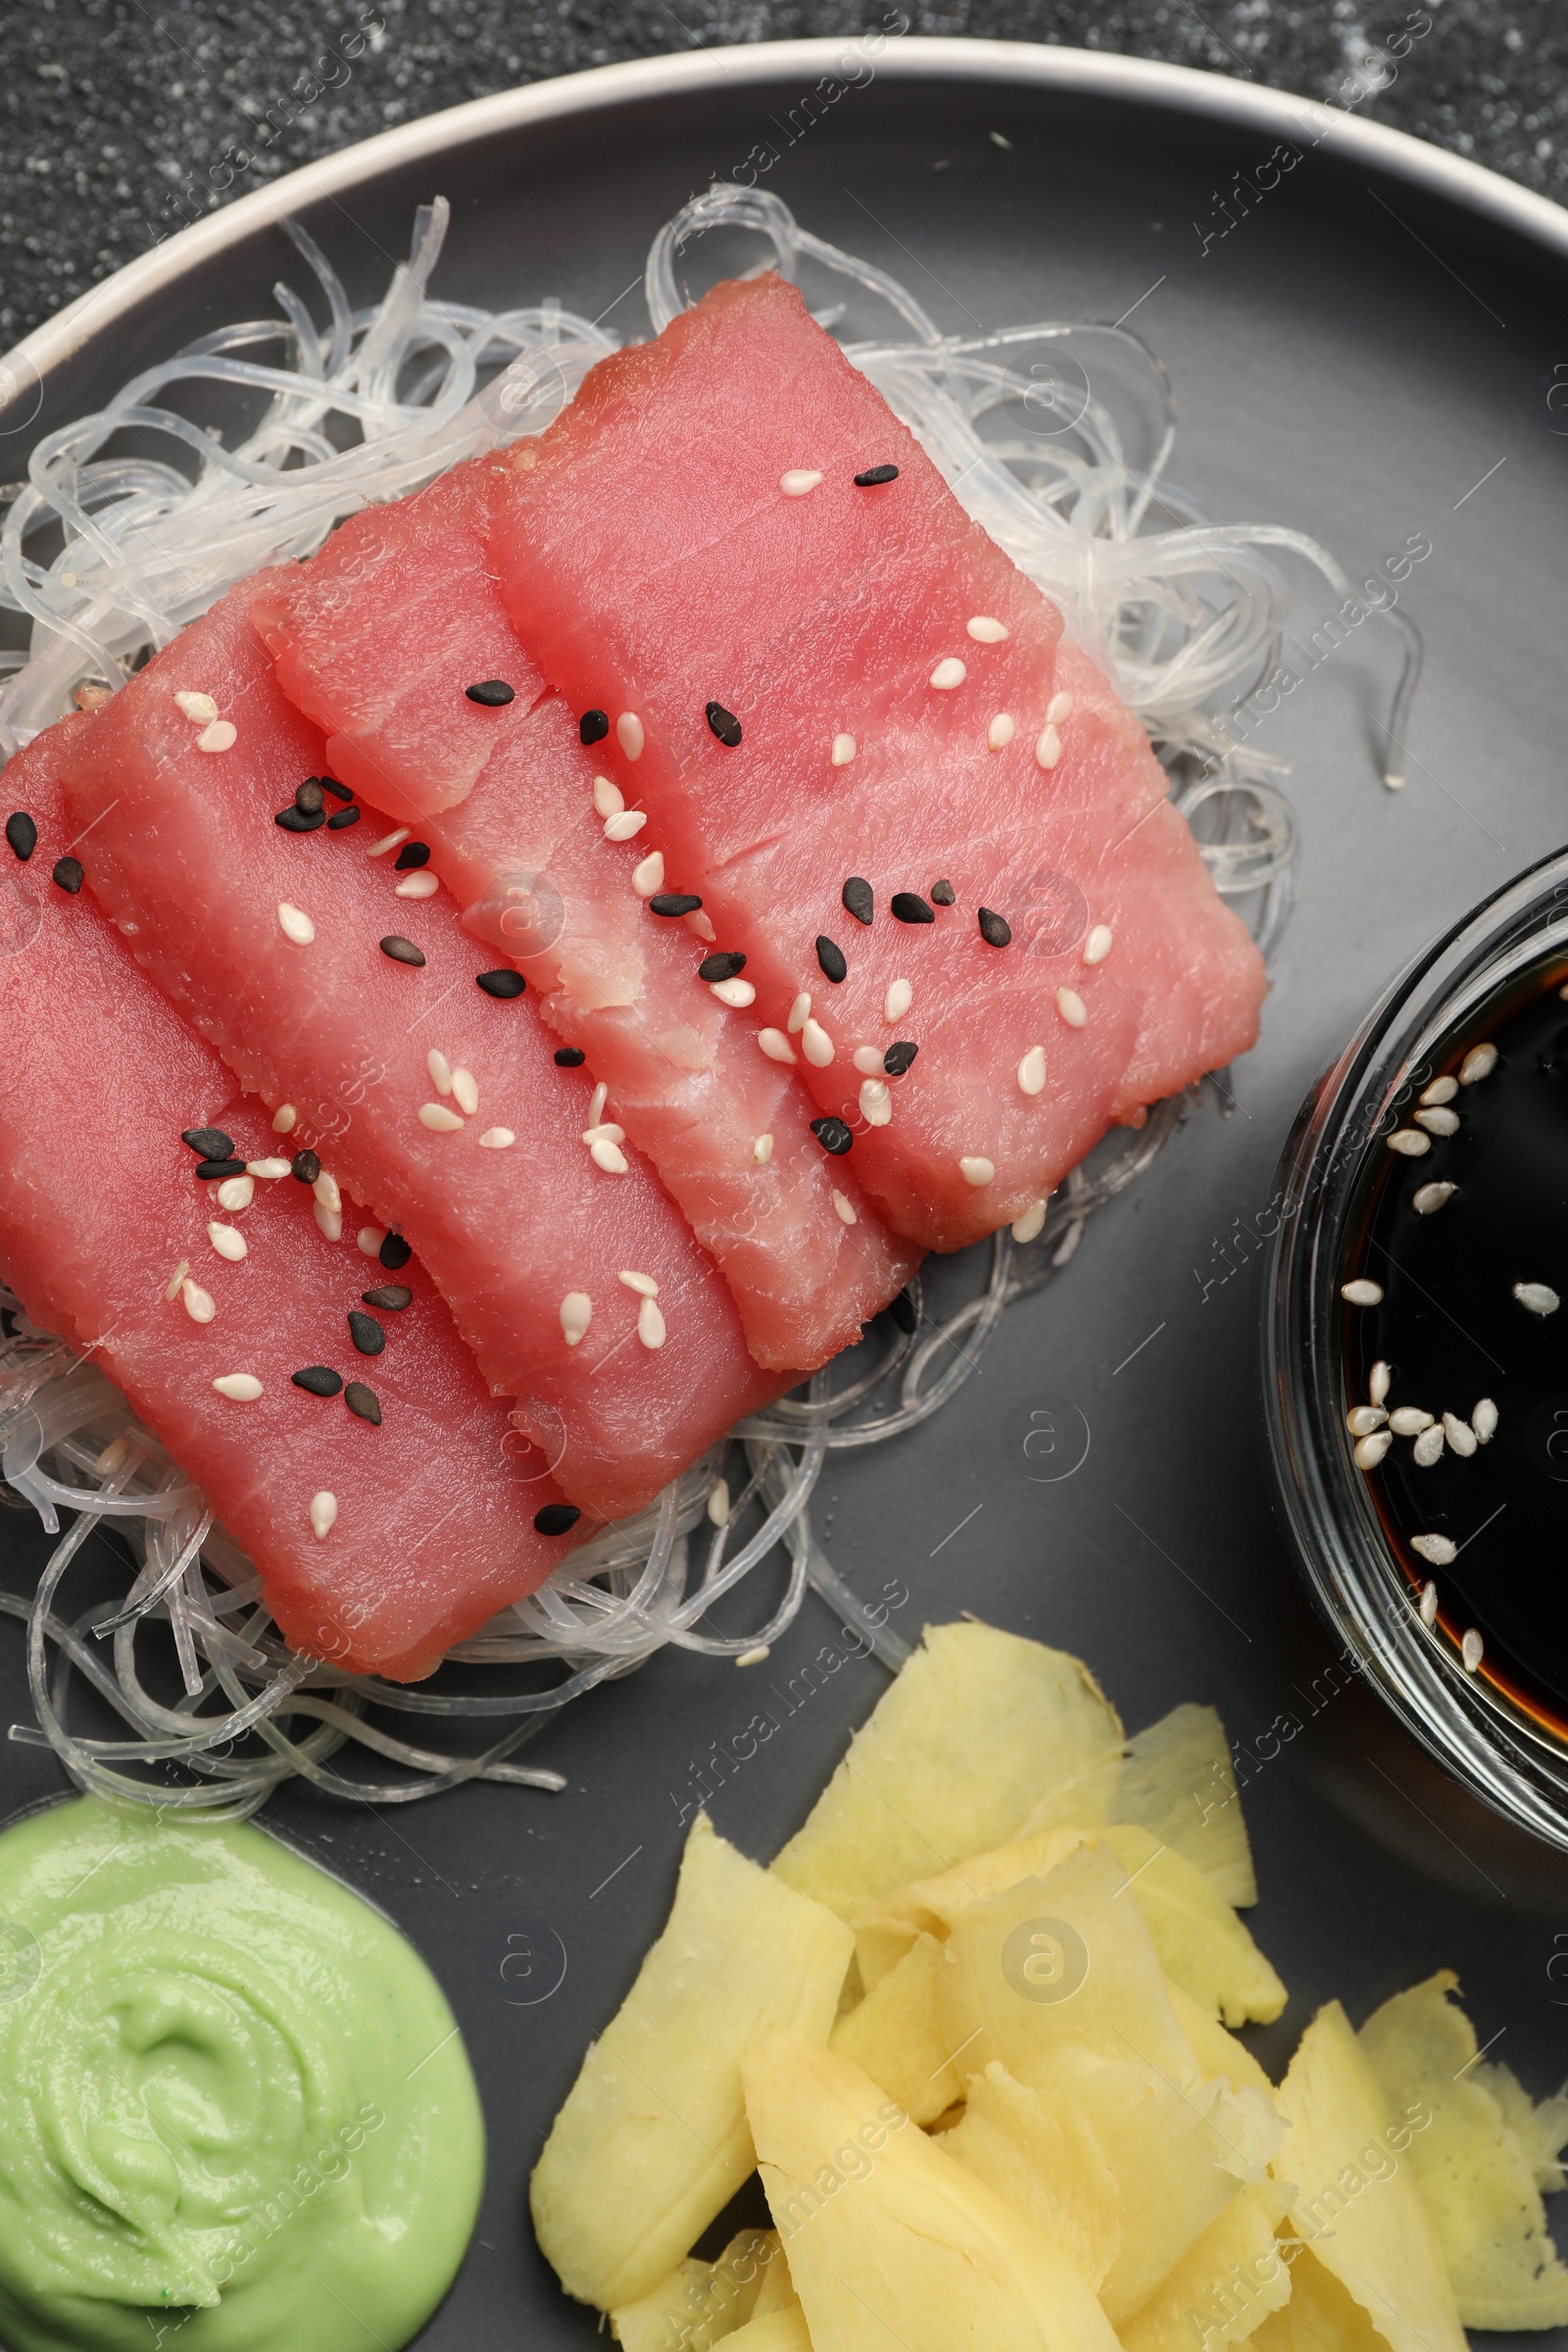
<point x="433" y="1101"/>
<point x="100" y="1204"/>
<point x="377" y="639"/>
<point x="816" y="682"/>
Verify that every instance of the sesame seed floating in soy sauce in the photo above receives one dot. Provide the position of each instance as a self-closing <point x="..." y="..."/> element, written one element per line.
<point x="366" y="1332"/>
<point x="909" y="908"/>
<point x="393" y="1296"/>
<point x="593" y="727"/>
<point x="875" y="475"/>
<point x="394" y="1252"/>
<point x="68" y="873"/>
<point x="304" y="1167"/>
<point x="364" y="1401"/>
<point x="503" y="984"/>
<point x="342" y="818"/>
<point x="23" y="834"/>
<point x="493" y="694"/>
<point x="942" y="894"/>
<point x="569" y="1058"/>
<point x="994" y="929"/>
<point x="859" y="898"/>
<point x="412" y="856"/>
<point x="727" y="964"/>
<point x="833" y="1135"/>
<point x="318" y="1380"/>
<point x="673" y="902"/>
<point x="830" y="955"/>
<point x="899" y="1055"/>
<point x="724" y="724"/>
<point x="399" y="949"/>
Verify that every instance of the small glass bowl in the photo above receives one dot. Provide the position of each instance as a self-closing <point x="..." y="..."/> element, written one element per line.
<point x="1489" y="1743"/>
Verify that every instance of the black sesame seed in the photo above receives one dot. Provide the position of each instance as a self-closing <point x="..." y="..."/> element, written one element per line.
<point x="23" y="834"/>
<point x="394" y="1297"/>
<point x="725" y="723"/>
<point x="557" y="1518"/>
<point x="899" y="1055"/>
<point x="364" y="1401"/>
<point x="213" y="1171"/>
<point x="875" y="474"/>
<point x="300" y="821"/>
<point x="593" y="727"/>
<point x="833" y="1136"/>
<point x="342" y="818"/>
<point x="830" y="955"/>
<point x="307" y="795"/>
<point x="304" y="1167"/>
<point x="902" y="1309"/>
<point x="330" y="784"/>
<point x="858" y="898"/>
<point x="673" y="901"/>
<point x="411" y="855"/>
<point x="208" y="1143"/>
<point x="366" y="1332"/>
<point x="400" y="949"/>
<point x="911" y="909"/>
<point x="569" y="1058"/>
<point x="726" y="964"/>
<point x="501" y="984"/>
<point x="68" y="873"/>
<point x="994" y="930"/>
<point x="394" y="1252"/>
<point x="493" y="693"/>
<point x="318" y="1380"/>
<point x="942" y="894"/>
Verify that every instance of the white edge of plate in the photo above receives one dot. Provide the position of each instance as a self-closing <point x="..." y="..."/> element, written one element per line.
<point x="1017" y="65"/>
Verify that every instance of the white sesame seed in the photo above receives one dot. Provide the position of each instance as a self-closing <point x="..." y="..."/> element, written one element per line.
<point x="324" y="1514"/>
<point x="439" y="1120"/>
<point x="440" y="1069"/>
<point x="1409" y="1420"/>
<point x="295" y="923"/>
<point x="227" y="1242"/>
<point x="1483" y="1421"/>
<point x="219" y="735"/>
<point x="271" y="1172"/>
<point x="1058" y="709"/>
<point x="1410" y="1142"/>
<point x="371" y="1238"/>
<point x="604" y="1131"/>
<point x="775" y="1044"/>
<point x="388" y="841"/>
<point x="113" y="1454"/>
<point x="876" y="1104"/>
<point x="1538" y="1296"/>
<point x="986" y="631"/>
<point x="1001" y="731"/>
<point x="283" y="1118"/>
<point x="1097" y="947"/>
<point x="609" y="799"/>
<point x="465" y="1091"/>
<point x="200" y="1304"/>
<point x="1478" y="1063"/>
<point x="1379" y="1380"/>
<point x="756" y="1655"/>
<point x="1442" y="1552"/>
<point x="197" y="707"/>
<point x="1460" y="1436"/>
<point x="650" y="1324"/>
<point x="649" y="877"/>
<point x="817" y="1045"/>
<point x="242" y="1388"/>
<point x="236" y="1192"/>
<point x="867" y="1060"/>
<point x="597" y="1101"/>
<point x="1441" y="1089"/>
<point x="1367" y="1453"/>
<point x="762" y="1148"/>
<point x="949" y="674"/>
<point x="845" y="748"/>
<point x="718" y="1503"/>
<point x="1362" y="1292"/>
<point x="895" y="1003"/>
<point x="1029" y="1226"/>
<point x="1428" y="1199"/>
<point x="626" y="826"/>
<point x="799" y="1011"/>
<point x="1429" y="1592"/>
<point x="326" y="1189"/>
<point x="977" y="1170"/>
<point x="1472" y="1649"/>
<point x="608" y="1155"/>
<point x="844" y="1210"/>
<point x="698" y="922"/>
<point x="1071" y="1008"/>
<point x="1047" y="746"/>
<point x="1362" y="1419"/>
<point x="629" y="734"/>
<point x="737" y="994"/>
<point x="330" y="1220"/>
<point x="421" y="884"/>
<point x="643" y="1283"/>
<point x="1438" y="1121"/>
<point x="576" y="1314"/>
<point x="497" y="1138"/>
<point x="1428" y="1447"/>
<point x="1032" y="1071"/>
<point x="798" y="481"/>
<point x="171" y="1289"/>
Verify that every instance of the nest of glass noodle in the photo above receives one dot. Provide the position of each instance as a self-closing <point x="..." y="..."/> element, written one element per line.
<point x="109" y="552"/>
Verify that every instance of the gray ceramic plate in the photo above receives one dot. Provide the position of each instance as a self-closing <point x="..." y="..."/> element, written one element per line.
<point x="1369" y="352"/>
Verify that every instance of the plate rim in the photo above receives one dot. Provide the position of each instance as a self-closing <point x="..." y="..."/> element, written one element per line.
<point x="906" y="58"/>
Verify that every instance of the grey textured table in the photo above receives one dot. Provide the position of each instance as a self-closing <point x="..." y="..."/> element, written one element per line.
<point x="121" y="120"/>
